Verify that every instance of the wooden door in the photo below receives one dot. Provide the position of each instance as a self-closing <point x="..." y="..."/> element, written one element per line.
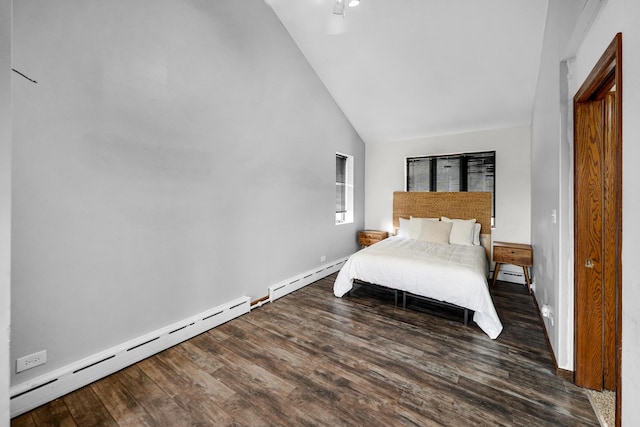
<point x="596" y="255"/>
<point x="598" y="224"/>
<point x="588" y="251"/>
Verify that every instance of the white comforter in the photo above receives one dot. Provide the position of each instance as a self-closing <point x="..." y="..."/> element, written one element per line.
<point x="453" y="273"/>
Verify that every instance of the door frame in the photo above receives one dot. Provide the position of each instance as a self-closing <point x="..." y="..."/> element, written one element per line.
<point x="607" y="73"/>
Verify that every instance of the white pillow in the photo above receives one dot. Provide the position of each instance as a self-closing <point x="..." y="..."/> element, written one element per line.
<point x="476" y="234"/>
<point x="461" y="231"/>
<point x="403" y="231"/>
<point x="435" y="232"/>
<point x="415" y="226"/>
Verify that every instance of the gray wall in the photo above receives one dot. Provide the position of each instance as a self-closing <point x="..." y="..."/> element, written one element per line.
<point x="552" y="187"/>
<point x="174" y="155"/>
<point x="5" y="204"/>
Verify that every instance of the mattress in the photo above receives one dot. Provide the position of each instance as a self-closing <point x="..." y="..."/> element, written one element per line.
<point x="456" y="274"/>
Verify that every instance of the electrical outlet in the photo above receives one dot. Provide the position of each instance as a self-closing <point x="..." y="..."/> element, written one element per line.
<point x="323" y="258"/>
<point x="31" y="361"/>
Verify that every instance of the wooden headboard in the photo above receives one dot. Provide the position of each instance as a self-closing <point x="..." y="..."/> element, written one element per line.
<point x="463" y="205"/>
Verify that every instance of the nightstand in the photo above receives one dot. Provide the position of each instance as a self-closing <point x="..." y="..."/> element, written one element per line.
<point x="513" y="253"/>
<point x="369" y="237"/>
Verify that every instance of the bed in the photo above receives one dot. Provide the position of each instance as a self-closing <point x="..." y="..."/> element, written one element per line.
<point x="424" y="265"/>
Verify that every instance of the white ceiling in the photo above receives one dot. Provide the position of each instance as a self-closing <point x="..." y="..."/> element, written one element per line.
<point x="404" y="69"/>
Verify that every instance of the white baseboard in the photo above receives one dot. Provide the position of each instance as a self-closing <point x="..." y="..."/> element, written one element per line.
<point x="293" y="284"/>
<point x="45" y="388"/>
<point x="50" y="386"/>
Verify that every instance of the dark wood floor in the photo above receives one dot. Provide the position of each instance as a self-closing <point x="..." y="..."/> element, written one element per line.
<point x="313" y="359"/>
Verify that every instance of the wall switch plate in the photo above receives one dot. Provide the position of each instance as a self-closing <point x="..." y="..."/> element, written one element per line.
<point x="31" y="361"/>
<point x="323" y="258"/>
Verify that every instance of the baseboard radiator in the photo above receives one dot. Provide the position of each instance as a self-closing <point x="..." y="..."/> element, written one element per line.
<point x="50" y="386"/>
<point x="511" y="274"/>
<point x="293" y="284"/>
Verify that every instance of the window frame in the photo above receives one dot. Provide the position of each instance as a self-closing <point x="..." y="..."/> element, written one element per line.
<point x="346" y="216"/>
<point x="463" y="178"/>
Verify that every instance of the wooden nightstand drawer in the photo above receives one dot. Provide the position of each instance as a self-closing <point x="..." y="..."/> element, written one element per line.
<point x="369" y="237"/>
<point x="512" y="255"/>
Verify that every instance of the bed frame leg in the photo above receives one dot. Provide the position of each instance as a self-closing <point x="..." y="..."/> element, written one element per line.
<point x="404" y="299"/>
<point x="466" y="317"/>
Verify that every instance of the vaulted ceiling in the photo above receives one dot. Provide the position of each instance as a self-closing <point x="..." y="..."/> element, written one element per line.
<point x="404" y="69"/>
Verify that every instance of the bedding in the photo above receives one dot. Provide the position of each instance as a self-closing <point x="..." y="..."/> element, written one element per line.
<point x="435" y="232"/>
<point x="462" y="230"/>
<point x="456" y="274"/>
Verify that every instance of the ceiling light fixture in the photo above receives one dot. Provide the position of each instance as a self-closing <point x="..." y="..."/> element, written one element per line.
<point x="339" y="6"/>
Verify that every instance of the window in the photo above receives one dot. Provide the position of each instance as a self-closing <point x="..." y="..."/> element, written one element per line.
<point x="344" y="188"/>
<point x="454" y="172"/>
